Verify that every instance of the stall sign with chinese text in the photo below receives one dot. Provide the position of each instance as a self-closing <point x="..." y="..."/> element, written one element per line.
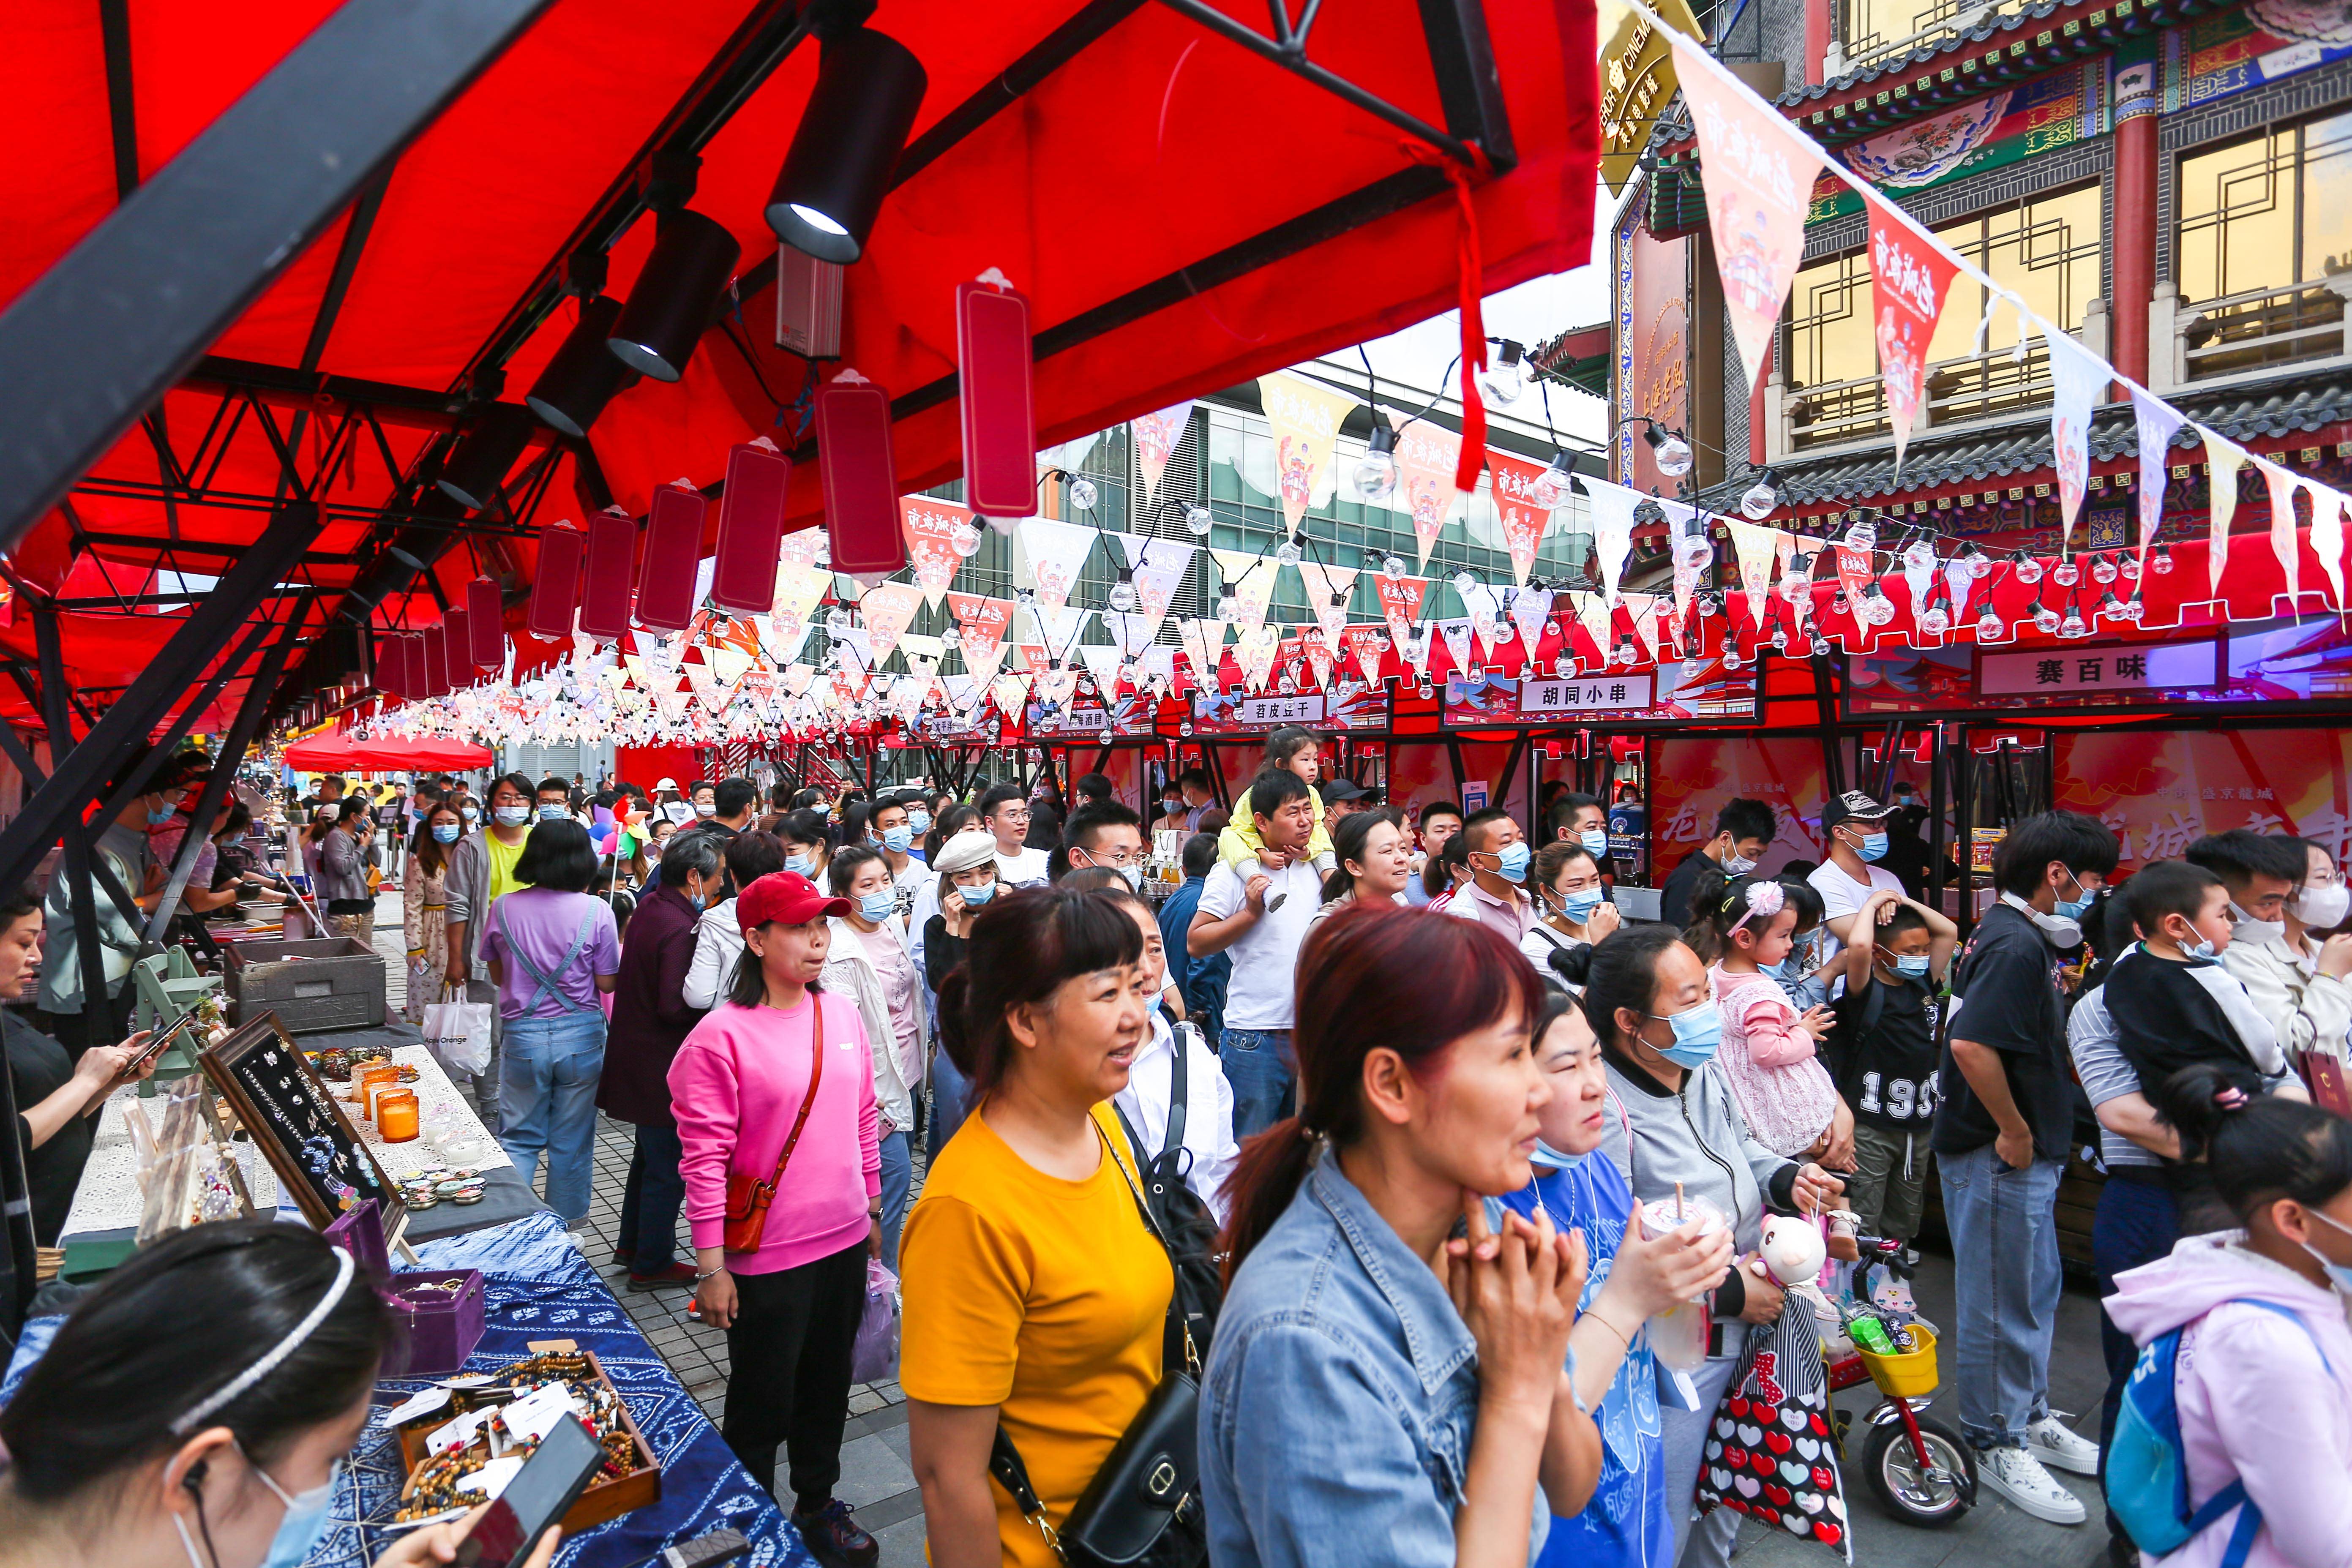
<point x="2120" y="667"/>
<point x="1589" y="694"/>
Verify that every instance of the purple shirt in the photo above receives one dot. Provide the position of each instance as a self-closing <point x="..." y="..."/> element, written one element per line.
<point x="540" y="925"/>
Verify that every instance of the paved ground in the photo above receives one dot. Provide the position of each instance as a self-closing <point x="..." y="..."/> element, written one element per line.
<point x="877" y="1481"/>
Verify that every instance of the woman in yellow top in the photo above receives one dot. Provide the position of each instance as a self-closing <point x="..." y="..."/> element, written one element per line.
<point x="1035" y="1296"/>
<point x="1293" y="749"/>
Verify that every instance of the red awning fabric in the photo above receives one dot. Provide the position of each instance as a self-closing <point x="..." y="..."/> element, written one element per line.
<point x="325" y="753"/>
<point x="1157" y="146"/>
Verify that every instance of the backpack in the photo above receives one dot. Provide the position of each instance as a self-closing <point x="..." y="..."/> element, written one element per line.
<point x="1184" y="1220"/>
<point x="2148" y="1471"/>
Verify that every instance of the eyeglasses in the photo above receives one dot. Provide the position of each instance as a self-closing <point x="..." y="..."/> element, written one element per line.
<point x="1116" y="858"/>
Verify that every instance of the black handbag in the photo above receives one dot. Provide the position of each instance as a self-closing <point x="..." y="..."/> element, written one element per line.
<point x="1142" y="1510"/>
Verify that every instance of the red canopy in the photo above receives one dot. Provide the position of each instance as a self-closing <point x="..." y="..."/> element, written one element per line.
<point x="338" y="752"/>
<point x="1176" y="207"/>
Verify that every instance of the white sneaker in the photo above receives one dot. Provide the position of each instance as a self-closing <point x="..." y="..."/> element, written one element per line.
<point x="2018" y="1477"/>
<point x="2054" y="1442"/>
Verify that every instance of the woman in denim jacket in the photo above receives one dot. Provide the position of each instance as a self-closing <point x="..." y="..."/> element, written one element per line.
<point x="1376" y="1377"/>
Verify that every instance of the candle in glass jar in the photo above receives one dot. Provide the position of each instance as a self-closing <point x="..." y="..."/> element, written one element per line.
<point x="397" y="1115"/>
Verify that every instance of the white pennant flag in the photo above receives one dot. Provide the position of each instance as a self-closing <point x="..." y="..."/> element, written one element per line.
<point x="1327" y="591"/>
<point x="1102" y="662"/>
<point x="1157" y="568"/>
<point x="2327" y="537"/>
<point x="1203" y="642"/>
<point x="2158" y="423"/>
<point x="1529" y="612"/>
<point x="2078" y="380"/>
<point x="1486" y="616"/>
<point x="1132" y="633"/>
<point x="2283" y="483"/>
<point x="1055" y="553"/>
<point x="1255" y="653"/>
<point x="1457" y="642"/>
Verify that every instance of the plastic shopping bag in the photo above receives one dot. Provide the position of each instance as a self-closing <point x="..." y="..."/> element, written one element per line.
<point x="875" y="1358"/>
<point x="458" y="1033"/>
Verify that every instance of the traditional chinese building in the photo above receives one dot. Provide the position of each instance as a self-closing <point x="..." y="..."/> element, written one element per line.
<point x="2172" y="184"/>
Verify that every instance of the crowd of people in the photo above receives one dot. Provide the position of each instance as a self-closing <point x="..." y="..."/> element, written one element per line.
<point x="1344" y="1164"/>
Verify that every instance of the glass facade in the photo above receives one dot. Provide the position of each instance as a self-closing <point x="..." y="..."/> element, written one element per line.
<point x="2264" y="228"/>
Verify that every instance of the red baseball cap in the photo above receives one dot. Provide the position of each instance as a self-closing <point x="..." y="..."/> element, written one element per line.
<point x="786" y="897"/>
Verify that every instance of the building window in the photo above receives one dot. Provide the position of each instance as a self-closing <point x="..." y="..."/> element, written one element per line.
<point x="2264" y="246"/>
<point x="1872" y="30"/>
<point x="2047" y="251"/>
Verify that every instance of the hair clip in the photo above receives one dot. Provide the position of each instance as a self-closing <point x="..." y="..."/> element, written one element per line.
<point x="2232" y="1098"/>
<point x="1765" y="897"/>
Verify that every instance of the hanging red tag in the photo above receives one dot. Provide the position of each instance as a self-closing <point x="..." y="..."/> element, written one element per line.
<point x="673" y="557"/>
<point x="612" y="553"/>
<point x="994" y="375"/>
<point x="486" y="621"/>
<point x="436" y="667"/>
<point x="859" y="476"/>
<point x="555" y="589"/>
<point x="750" y="529"/>
<point x="391" y="666"/>
<point x="458" y="645"/>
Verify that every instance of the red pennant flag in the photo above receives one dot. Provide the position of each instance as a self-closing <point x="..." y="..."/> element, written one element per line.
<point x="1908" y="281"/>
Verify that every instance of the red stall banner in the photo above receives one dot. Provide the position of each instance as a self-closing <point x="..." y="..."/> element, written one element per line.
<point x="858" y="475"/>
<point x="2163" y="790"/>
<point x="1691" y="778"/>
<point x="485" y="615"/>
<point x="555" y="589"/>
<point x="995" y="380"/>
<point x="612" y="554"/>
<point x="750" y="528"/>
<point x="673" y="558"/>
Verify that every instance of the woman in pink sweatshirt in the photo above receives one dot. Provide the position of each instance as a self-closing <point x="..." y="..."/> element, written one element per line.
<point x="2265" y="1391"/>
<point x="756" y="1082"/>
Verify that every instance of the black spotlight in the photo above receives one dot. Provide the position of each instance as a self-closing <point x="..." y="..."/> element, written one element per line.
<point x="692" y="259"/>
<point x="484" y="454"/>
<point x="869" y="87"/>
<point x="583" y="375"/>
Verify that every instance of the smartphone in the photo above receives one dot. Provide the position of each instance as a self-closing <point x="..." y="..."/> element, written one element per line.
<point x="158" y="1044"/>
<point x="557" y="1472"/>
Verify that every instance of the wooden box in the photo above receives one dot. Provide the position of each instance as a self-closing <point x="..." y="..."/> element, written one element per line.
<point x="604" y="1499"/>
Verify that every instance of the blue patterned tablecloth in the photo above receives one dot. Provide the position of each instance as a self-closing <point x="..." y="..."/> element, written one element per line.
<point x="541" y="1288"/>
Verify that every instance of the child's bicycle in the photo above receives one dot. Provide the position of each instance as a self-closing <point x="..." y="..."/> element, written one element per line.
<point x="1923" y="1471"/>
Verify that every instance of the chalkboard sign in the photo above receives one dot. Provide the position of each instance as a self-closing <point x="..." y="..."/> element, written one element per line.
<point x="299" y="1126"/>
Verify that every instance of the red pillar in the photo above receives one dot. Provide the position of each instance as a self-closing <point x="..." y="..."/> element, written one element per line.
<point x="1817" y="42"/>
<point x="1756" y="406"/>
<point x="2135" y="244"/>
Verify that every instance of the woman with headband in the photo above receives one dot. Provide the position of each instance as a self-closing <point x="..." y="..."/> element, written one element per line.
<point x="136" y="1442"/>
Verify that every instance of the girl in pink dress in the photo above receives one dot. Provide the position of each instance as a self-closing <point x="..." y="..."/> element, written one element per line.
<point x="1770" y="1054"/>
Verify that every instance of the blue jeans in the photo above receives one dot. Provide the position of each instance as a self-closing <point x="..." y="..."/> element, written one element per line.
<point x="548" y="1070"/>
<point x="2005" y="1284"/>
<point x="897" y="1182"/>
<point x="947" y="1089"/>
<point x="2137" y="1222"/>
<point x="1258" y="1065"/>
<point x="650" y="1202"/>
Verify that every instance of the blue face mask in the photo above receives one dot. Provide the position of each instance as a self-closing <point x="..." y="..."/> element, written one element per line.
<point x="895" y="839"/>
<point x="878" y="907"/>
<point x="2202" y="949"/>
<point x="551" y="812"/>
<point x="1911" y="965"/>
<point x="1548" y="1155"/>
<point x="445" y="832"/>
<point x="157" y="818"/>
<point x="800" y="865"/>
<point x="2341" y="1273"/>
<point x="1579" y="906"/>
<point x="471" y="812"/>
<point x="976" y="896"/>
<point x="305" y="1518"/>
<point x="511" y="815"/>
<point x="1152" y="1003"/>
<point x="1596" y="840"/>
<point x="919" y="820"/>
<point x="1698" y="1035"/>
<point x="2072" y="908"/>
<point x="1872" y="849"/>
<point x="1514" y="861"/>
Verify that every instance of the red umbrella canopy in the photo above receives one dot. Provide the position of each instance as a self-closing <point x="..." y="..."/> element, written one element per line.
<point x="1182" y="212"/>
<point x="327" y="752"/>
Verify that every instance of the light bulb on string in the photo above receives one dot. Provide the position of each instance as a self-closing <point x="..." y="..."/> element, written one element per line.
<point x="951" y="639"/>
<point x="1196" y="521"/>
<point x="1919" y="556"/>
<point x="2160" y="563"/>
<point x="837" y="621"/>
<point x="1762" y="497"/>
<point x="1979" y="564"/>
<point x="1990" y="626"/>
<point x="1820" y="648"/>
<point x="2074" y="624"/>
<point x="2129" y="566"/>
<point x="1552" y="487"/>
<point x="2065" y="573"/>
<point x="1877" y="609"/>
<point x="1465" y="582"/>
<point x="1862" y="536"/>
<point x="1083" y="494"/>
<point x="2132" y="609"/>
<point x="2103" y="569"/>
<point x="1505" y="374"/>
<point x="1229" y="603"/>
<point x="2029" y="570"/>
<point x="1937" y="621"/>
<point x="1287" y="685"/>
<point x="1564" y="667"/>
<point x="1669" y="449"/>
<point x="1288" y="552"/>
<point x="1731" y="659"/>
<point x="1780" y="637"/>
<point x="1392" y="567"/>
<point x="1423" y="689"/>
<point x="1376" y="471"/>
<point x="2045" y="620"/>
<point x="1121" y="597"/>
<point x="1693" y="551"/>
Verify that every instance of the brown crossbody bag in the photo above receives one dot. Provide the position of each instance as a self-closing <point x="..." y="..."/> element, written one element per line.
<point x="747" y="1200"/>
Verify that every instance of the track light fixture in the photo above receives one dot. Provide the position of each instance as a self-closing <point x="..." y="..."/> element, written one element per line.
<point x="869" y="89"/>
<point x="693" y="257"/>
<point x="484" y="454"/>
<point x="584" y="373"/>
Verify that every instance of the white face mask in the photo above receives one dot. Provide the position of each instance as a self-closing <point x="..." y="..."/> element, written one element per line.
<point x="2248" y="928"/>
<point x="2322" y="907"/>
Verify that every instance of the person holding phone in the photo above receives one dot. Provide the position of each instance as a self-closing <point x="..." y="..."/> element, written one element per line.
<point x="58" y="1096"/>
<point x="196" y="1409"/>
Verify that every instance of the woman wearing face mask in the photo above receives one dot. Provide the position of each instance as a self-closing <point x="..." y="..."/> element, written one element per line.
<point x="1682" y="1132"/>
<point x="1036" y="1300"/>
<point x="1633" y="1276"/>
<point x="718" y="939"/>
<point x="1378" y="1386"/>
<point x="1375" y="861"/>
<point x="808" y="844"/>
<point x="424" y="907"/>
<point x="345" y="856"/>
<point x="868" y="962"/>
<point x="2262" y="1379"/>
<point x="1571" y="900"/>
<point x="774" y="1087"/>
<point x="196" y="1409"/>
<point x="967" y="884"/>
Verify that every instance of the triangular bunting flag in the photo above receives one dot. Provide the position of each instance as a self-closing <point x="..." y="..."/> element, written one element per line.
<point x="2078" y="382"/>
<point x="1055" y="554"/>
<point x="1531" y="612"/>
<point x="1255" y="654"/>
<point x="1157" y="566"/>
<point x="888" y="609"/>
<point x="1203" y="642"/>
<point x="1427" y="457"/>
<point x="1328" y="589"/>
<point x="1456" y="634"/>
<point x="933" y="528"/>
<point x="2283" y="482"/>
<point x="1251" y="579"/>
<point x="1156" y="437"/>
<point x="2225" y="458"/>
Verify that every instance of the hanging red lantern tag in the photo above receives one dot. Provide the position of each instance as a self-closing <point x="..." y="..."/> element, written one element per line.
<point x="997" y="387"/>
<point x="672" y="557"/>
<point x="612" y="554"/>
<point x="750" y="528"/>
<point x="555" y="589"/>
<point x="486" y="616"/>
<point x="859" y="476"/>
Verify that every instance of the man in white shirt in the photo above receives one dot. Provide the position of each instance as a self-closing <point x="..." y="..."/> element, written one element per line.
<point x="1260" y="915"/>
<point x="1005" y="809"/>
<point x="1857" y="828"/>
<point x="1207" y="1131"/>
